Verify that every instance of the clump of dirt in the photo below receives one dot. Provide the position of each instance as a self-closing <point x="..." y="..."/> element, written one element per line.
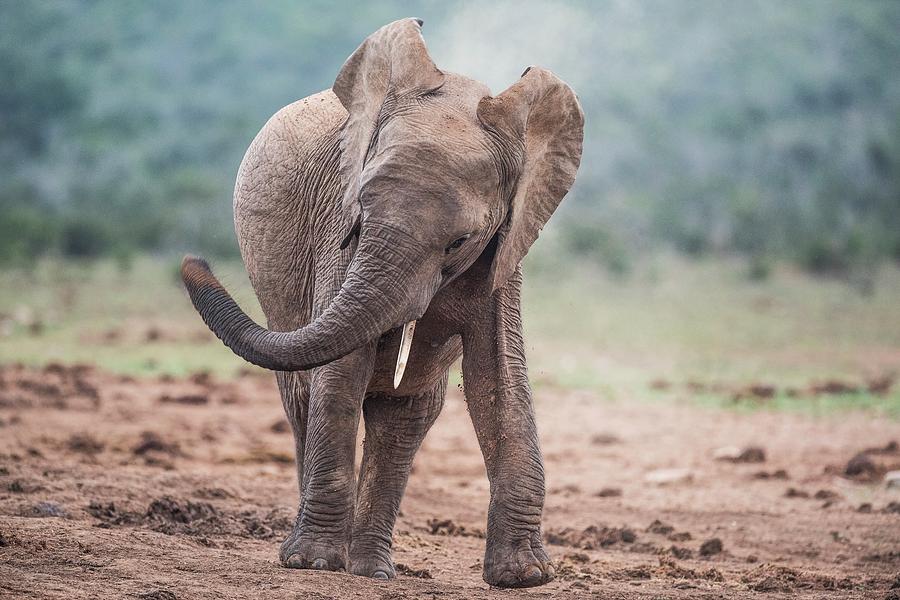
<point x="660" y="528"/>
<point x="110" y="515"/>
<point x="261" y="454"/>
<point x="828" y="495"/>
<point x="834" y="387"/>
<point x="448" y="527"/>
<point x="757" y="391"/>
<point x="189" y="399"/>
<point x="796" y="493"/>
<point x="44" y="510"/>
<point x="55" y="386"/>
<point x="605" y="439"/>
<point x="774" y="578"/>
<point x="158" y="595"/>
<point x="872" y="464"/>
<point x="777" y="474"/>
<point x="85" y="443"/>
<point x="681" y="553"/>
<point x="609" y="492"/>
<point x="24" y="486"/>
<point x="169" y="515"/>
<point x="213" y="492"/>
<point x="751" y="454"/>
<point x="592" y="537"/>
<point x="711" y="547"/>
<point x="151" y="442"/>
<point x="280" y="426"/>
<point x="667" y="568"/>
<point x="763" y="392"/>
<point x="202" y="378"/>
<point x="174" y="516"/>
<point x="403" y="569"/>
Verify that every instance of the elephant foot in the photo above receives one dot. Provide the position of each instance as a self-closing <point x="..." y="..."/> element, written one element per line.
<point x="517" y="565"/>
<point x="298" y="551"/>
<point x="375" y="563"/>
<point x="375" y="568"/>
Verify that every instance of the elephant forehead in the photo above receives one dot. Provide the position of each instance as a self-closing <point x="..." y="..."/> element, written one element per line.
<point x="425" y="161"/>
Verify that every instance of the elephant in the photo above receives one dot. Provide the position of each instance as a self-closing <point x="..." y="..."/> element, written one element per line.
<point x="382" y="223"/>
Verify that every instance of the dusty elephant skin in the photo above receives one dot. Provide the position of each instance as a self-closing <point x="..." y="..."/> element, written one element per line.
<point x="402" y="194"/>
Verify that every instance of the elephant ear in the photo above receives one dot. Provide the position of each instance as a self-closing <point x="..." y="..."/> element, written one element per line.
<point x="390" y="65"/>
<point x="541" y="114"/>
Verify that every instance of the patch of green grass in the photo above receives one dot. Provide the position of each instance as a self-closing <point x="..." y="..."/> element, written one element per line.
<point x="819" y="405"/>
<point x="137" y="321"/>
<point x="668" y="320"/>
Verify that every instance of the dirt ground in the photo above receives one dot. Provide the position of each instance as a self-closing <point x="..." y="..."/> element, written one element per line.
<point x="159" y="489"/>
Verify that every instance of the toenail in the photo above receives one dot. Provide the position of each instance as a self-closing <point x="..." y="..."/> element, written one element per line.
<point x="320" y="564"/>
<point x="294" y="562"/>
<point x="380" y="575"/>
<point x="531" y="572"/>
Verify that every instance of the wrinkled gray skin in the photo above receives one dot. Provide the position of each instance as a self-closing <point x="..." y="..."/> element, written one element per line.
<point x="436" y="190"/>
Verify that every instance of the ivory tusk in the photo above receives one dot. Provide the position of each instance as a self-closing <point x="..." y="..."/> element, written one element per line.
<point x="405" y="345"/>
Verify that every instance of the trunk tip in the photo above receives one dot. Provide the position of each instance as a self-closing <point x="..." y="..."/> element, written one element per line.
<point x="194" y="269"/>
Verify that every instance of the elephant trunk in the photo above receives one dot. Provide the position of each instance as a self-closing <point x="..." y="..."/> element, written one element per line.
<point x="376" y="296"/>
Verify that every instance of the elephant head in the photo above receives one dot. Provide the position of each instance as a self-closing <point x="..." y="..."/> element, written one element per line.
<point x="436" y="172"/>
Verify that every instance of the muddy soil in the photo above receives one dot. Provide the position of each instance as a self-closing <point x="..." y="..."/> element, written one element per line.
<point x="112" y="487"/>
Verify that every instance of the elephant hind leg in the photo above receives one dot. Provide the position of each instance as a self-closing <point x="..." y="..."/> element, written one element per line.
<point x="395" y="428"/>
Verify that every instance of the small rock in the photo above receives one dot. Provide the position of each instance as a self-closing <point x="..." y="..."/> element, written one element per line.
<point x="826" y="495"/>
<point x="726" y="453"/>
<point x="750" y="454"/>
<point x="861" y="465"/>
<point x="892" y="479"/>
<point x="609" y="493"/>
<point x="711" y="547"/>
<point x="669" y="476"/>
<point x="605" y="439"/>
<point x="660" y="528"/>
<point x="280" y="426"/>
<point x="795" y="493"/>
<point x="865" y="507"/>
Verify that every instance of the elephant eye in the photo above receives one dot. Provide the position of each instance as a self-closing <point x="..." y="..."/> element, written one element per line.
<point x="457" y="243"/>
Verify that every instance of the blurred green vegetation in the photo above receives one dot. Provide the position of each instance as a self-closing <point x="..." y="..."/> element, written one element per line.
<point x="762" y="129"/>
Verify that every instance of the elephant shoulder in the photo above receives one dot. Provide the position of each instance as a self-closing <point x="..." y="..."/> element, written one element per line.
<point x="287" y="176"/>
<point x="296" y="145"/>
<point x="309" y="118"/>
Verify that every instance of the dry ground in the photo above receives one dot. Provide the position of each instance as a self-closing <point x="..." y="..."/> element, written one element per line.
<point x="112" y="487"/>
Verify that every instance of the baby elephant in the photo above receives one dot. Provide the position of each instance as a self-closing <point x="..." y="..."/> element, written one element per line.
<point x="382" y="223"/>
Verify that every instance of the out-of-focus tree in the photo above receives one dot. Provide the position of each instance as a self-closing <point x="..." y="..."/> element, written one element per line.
<point x="763" y="128"/>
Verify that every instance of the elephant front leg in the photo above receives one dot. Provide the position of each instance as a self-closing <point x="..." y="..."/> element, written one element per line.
<point x="499" y="398"/>
<point x="395" y="428"/>
<point x="321" y="535"/>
